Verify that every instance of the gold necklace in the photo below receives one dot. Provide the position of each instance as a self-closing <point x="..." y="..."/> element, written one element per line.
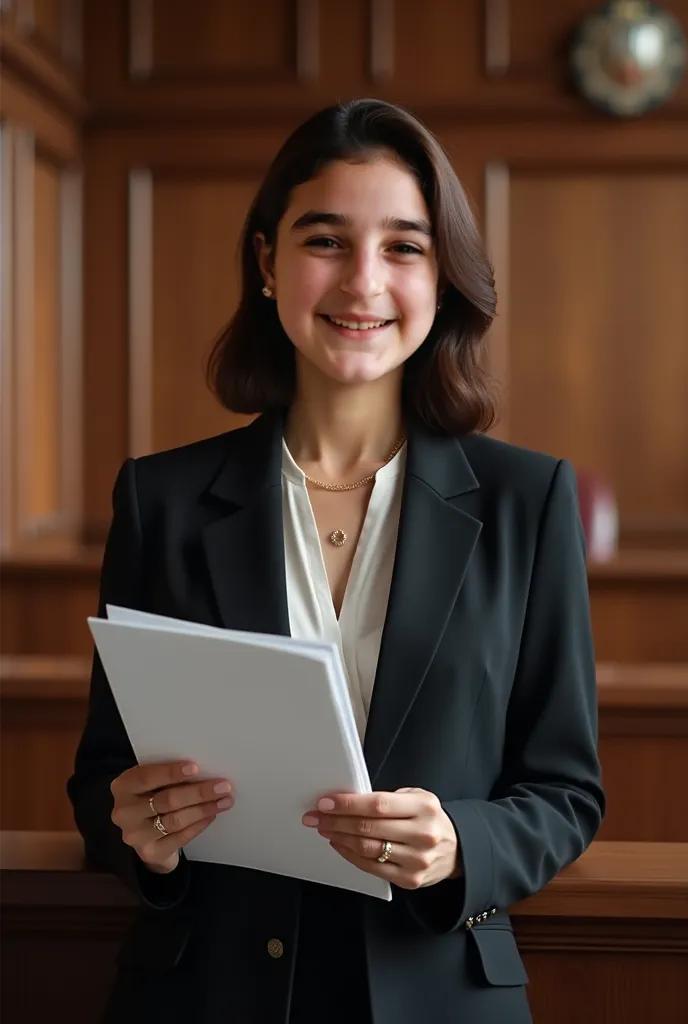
<point x="338" y="537"/>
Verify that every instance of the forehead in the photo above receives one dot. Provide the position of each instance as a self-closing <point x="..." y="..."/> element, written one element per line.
<point x="378" y="188"/>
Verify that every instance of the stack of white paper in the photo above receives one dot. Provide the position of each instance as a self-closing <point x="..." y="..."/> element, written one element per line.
<point x="269" y="713"/>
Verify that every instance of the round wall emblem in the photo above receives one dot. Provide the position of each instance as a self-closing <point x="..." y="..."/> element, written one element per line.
<point x="628" y="57"/>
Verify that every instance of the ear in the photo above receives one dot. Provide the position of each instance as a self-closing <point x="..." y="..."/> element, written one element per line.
<point x="264" y="257"/>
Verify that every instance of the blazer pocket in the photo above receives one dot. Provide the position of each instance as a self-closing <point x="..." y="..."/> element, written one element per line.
<point x="155" y="942"/>
<point x="500" y="959"/>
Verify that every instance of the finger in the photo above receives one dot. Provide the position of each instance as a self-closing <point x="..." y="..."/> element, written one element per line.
<point x="176" y="798"/>
<point x="133" y="813"/>
<point x="399" y="829"/>
<point x="177" y="821"/>
<point x="158" y="849"/>
<point x="144" y="778"/>
<point x="390" y="870"/>
<point x="371" y="849"/>
<point x="373" y="805"/>
<point x="145" y="833"/>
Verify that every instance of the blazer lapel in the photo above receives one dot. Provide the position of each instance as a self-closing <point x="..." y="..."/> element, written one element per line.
<point x="435" y="542"/>
<point x="245" y="546"/>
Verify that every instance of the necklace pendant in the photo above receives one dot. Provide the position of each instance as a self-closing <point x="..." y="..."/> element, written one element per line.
<point x="338" y="537"/>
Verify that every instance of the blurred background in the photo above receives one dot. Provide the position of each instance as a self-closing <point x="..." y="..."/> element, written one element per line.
<point x="133" y="135"/>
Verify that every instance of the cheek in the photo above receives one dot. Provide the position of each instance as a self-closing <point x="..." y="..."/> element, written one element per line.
<point x="416" y="298"/>
<point x="304" y="283"/>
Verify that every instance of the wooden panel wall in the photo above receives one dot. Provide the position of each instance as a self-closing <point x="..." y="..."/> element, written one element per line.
<point x="40" y="343"/>
<point x="184" y="236"/>
<point x="597" y="325"/>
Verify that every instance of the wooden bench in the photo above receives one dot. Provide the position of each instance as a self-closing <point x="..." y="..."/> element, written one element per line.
<point x="605" y="942"/>
<point x="643" y="747"/>
<point x="639" y="604"/>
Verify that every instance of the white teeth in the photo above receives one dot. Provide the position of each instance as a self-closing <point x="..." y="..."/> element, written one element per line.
<point x="357" y="326"/>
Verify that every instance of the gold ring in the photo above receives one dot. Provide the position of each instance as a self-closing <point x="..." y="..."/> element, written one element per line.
<point x="159" y="825"/>
<point x="152" y="806"/>
<point x="386" y="852"/>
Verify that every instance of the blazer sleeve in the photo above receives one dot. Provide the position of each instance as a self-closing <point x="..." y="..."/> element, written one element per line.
<point x="104" y="751"/>
<point x="548" y="803"/>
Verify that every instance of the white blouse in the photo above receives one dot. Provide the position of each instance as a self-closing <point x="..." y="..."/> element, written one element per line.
<point x="312" y="616"/>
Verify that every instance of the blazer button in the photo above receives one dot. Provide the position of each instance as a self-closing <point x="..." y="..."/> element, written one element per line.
<point x="275" y="948"/>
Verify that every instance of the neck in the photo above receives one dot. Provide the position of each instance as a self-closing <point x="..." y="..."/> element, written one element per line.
<point x="339" y="428"/>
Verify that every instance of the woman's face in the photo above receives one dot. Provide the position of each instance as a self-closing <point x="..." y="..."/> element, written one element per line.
<point x="354" y="270"/>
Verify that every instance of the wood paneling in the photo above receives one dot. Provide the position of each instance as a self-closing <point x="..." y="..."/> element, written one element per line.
<point x="597" y="271"/>
<point x="643" y="730"/>
<point x="591" y="941"/>
<point x="41" y="48"/>
<point x="639" y="606"/>
<point x="43" y="703"/>
<point x="216" y="38"/>
<point x="184" y="273"/>
<point x="41" y="394"/>
<point x="41" y="351"/>
<point x="46" y="17"/>
<point x="196" y="229"/>
<point x="461" y="60"/>
<point x="589" y="343"/>
<point x="45" y="601"/>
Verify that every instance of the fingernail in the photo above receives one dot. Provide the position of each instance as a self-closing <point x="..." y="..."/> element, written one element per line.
<point x="224" y="805"/>
<point x="326" y="804"/>
<point x="310" y="820"/>
<point x="222" y="787"/>
<point x="189" y="769"/>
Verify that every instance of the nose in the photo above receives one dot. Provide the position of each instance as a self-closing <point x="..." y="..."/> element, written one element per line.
<point x="364" y="274"/>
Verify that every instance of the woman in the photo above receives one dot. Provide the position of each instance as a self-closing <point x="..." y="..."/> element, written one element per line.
<point x="363" y="506"/>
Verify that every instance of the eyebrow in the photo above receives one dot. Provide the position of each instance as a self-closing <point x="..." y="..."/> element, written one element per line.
<point x="340" y="220"/>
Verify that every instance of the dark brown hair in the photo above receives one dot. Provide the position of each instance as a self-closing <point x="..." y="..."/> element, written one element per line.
<point x="252" y="366"/>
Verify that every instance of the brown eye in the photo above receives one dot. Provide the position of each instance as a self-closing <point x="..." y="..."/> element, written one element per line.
<point x="406" y="249"/>
<point x="324" y="243"/>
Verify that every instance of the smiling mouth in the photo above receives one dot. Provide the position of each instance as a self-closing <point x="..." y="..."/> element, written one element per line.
<point x="351" y="325"/>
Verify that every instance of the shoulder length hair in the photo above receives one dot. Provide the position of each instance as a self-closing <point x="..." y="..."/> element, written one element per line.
<point x="252" y="367"/>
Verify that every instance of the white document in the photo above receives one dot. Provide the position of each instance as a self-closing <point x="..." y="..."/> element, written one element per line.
<point x="269" y="713"/>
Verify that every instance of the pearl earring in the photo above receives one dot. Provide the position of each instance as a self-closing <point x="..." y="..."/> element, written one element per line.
<point x="267" y="292"/>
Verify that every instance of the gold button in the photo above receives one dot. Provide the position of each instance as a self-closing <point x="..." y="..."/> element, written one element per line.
<point x="275" y="948"/>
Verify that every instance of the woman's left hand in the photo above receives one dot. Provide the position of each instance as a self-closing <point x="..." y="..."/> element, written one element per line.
<point x="424" y="845"/>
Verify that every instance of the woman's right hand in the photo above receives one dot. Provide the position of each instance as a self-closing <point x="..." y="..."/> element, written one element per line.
<point x="185" y="807"/>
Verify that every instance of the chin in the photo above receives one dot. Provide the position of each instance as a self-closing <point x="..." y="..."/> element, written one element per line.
<point x="353" y="375"/>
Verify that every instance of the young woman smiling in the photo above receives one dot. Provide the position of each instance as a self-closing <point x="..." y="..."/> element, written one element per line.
<point x="364" y="506"/>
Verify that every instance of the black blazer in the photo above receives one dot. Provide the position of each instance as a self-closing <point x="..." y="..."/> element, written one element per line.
<point x="484" y="694"/>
